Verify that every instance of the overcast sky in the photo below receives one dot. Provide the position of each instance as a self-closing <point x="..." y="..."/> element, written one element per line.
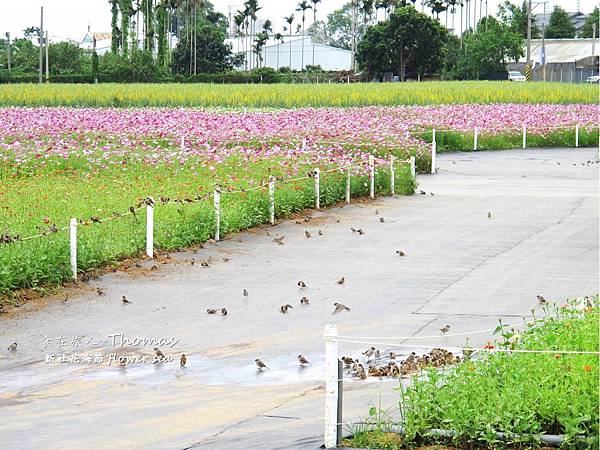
<point x="68" y="19"/>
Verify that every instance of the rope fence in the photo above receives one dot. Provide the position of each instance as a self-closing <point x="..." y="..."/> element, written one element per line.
<point x="150" y="204"/>
<point x="334" y="367"/>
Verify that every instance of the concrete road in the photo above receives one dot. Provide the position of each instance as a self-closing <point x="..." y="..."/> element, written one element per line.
<point x="461" y="268"/>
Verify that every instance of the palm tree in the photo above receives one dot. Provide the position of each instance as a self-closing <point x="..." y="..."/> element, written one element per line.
<point x="267" y="28"/>
<point x="314" y="8"/>
<point x="290" y="21"/>
<point x="253" y="8"/>
<point x="279" y="39"/>
<point x="303" y="6"/>
<point x="239" y="19"/>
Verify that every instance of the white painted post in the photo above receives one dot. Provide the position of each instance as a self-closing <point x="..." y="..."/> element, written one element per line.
<point x="371" y="176"/>
<point x="348" y="185"/>
<point x="73" y="245"/>
<point x="577" y="135"/>
<point x="392" y="176"/>
<point x="150" y="228"/>
<point x="524" y="136"/>
<point x="475" y="139"/>
<point x="303" y="145"/>
<point x="433" y="152"/>
<point x="272" y="200"/>
<point x="331" y="386"/>
<point x="182" y="145"/>
<point x="217" y="206"/>
<point x="413" y="167"/>
<point x="317" y="173"/>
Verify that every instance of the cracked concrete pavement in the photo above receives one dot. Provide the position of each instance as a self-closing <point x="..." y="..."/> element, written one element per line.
<point x="460" y="268"/>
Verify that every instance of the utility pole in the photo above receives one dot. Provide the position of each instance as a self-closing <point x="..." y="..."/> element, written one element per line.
<point x="41" y="41"/>
<point x="543" y="61"/>
<point x="47" y="66"/>
<point x="593" y="42"/>
<point x="529" y="33"/>
<point x="8" y="52"/>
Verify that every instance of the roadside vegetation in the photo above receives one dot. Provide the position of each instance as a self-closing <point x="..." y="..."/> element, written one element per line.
<point x="524" y="395"/>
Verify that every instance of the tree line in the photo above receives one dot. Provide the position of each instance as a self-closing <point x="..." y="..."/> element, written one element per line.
<point x="184" y="40"/>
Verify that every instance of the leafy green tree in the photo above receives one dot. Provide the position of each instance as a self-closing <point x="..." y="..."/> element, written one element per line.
<point x="516" y="18"/>
<point x="115" y="42"/>
<point x="408" y="41"/>
<point x="24" y="56"/>
<point x="212" y="54"/>
<point x="588" y="28"/>
<point x="65" y="57"/>
<point x="560" y="26"/>
<point x="487" y="50"/>
<point x="139" y="67"/>
<point x="126" y="7"/>
<point x="337" y="29"/>
<point x="161" y="32"/>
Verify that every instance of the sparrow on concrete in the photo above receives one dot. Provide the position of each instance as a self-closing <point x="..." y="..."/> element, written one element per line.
<point x="304" y="301"/>
<point x="124" y="299"/>
<point x="211" y="311"/>
<point x="260" y="365"/>
<point x="12" y="347"/>
<point x="307" y="234"/>
<point x="100" y="291"/>
<point x="204" y="264"/>
<point x="445" y="329"/>
<point x="341" y="281"/>
<point x="224" y="311"/>
<point x="422" y="192"/>
<point x="347" y="361"/>
<point x="369" y="352"/>
<point x="182" y="360"/>
<point x="489" y="214"/>
<point x="339" y="308"/>
<point x="400" y="253"/>
<point x="193" y="261"/>
<point x="226" y="259"/>
<point x="360" y="231"/>
<point x="392" y="355"/>
<point x="245" y="292"/>
<point x="279" y="240"/>
<point x="302" y="360"/>
<point x="301" y="284"/>
<point x="159" y="355"/>
<point x="284" y="308"/>
<point x="541" y="300"/>
<point x="320" y="233"/>
<point x="381" y="219"/>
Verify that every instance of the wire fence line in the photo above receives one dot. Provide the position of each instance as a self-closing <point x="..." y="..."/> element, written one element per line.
<point x="149" y="203"/>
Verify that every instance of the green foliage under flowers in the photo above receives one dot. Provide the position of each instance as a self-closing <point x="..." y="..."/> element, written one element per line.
<point x="522" y="394"/>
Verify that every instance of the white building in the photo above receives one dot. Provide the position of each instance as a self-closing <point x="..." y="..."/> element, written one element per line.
<point x="563" y="50"/>
<point x="103" y="41"/>
<point x="289" y="54"/>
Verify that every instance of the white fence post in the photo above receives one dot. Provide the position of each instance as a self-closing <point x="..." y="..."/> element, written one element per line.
<point x="348" y="185"/>
<point x="272" y="200"/>
<point x="413" y="167"/>
<point x="317" y="173"/>
<point x="475" y="139"/>
<point x="73" y="246"/>
<point x="524" y="136"/>
<point x="331" y="386"/>
<point x="577" y="135"/>
<point x="433" y="152"/>
<point x="371" y="176"/>
<point x="182" y="144"/>
<point x="392" y="176"/>
<point x="217" y="206"/>
<point x="150" y="228"/>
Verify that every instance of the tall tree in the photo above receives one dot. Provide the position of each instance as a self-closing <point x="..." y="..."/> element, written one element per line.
<point x="516" y="18"/>
<point x="314" y="8"/>
<point x="148" y="11"/>
<point x="115" y="41"/>
<point x="213" y="54"/>
<point x="290" y="20"/>
<point x="303" y="6"/>
<point x="127" y="11"/>
<point x="409" y="41"/>
<point x="336" y="31"/>
<point x="161" y="32"/>
<point x="590" y="23"/>
<point x="560" y="25"/>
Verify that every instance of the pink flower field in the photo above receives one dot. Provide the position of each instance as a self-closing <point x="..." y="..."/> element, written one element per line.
<point x="316" y="136"/>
